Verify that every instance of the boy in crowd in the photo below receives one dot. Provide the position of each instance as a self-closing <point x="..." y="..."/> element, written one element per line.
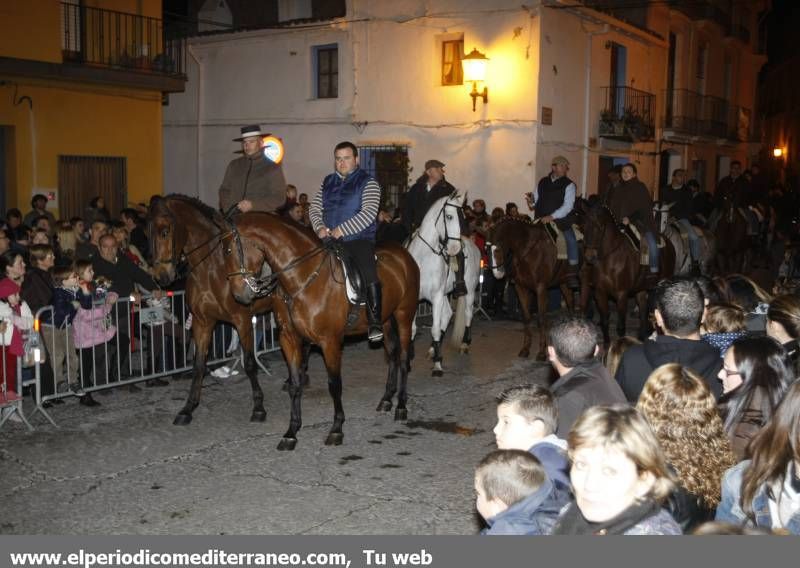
<point x="514" y="495"/>
<point x="527" y="417"/>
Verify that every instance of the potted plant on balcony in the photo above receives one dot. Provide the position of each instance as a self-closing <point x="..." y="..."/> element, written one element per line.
<point x="634" y="123"/>
<point x="607" y="123"/>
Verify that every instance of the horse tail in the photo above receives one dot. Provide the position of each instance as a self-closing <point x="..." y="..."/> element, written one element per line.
<point x="460" y="322"/>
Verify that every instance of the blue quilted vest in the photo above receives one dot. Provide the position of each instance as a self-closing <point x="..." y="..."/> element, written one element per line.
<point x="341" y="200"/>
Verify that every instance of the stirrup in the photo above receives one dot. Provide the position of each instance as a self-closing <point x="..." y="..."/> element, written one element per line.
<point x="375" y="333"/>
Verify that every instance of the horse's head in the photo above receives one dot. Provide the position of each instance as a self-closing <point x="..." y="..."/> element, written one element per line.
<point x="443" y="219"/>
<point x="597" y="219"/>
<point x="167" y="239"/>
<point x="503" y="238"/>
<point x="242" y="266"/>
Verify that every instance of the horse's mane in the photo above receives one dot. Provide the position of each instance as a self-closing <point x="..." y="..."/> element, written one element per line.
<point x="209" y="212"/>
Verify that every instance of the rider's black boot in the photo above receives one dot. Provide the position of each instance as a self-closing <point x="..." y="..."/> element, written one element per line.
<point x="571" y="277"/>
<point x="460" y="288"/>
<point x="375" y="332"/>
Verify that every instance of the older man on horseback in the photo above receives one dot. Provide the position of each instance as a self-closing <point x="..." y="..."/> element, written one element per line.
<point x="429" y="188"/>
<point x="346" y="209"/>
<point x="553" y="200"/>
<point x="679" y="197"/>
<point x="630" y="203"/>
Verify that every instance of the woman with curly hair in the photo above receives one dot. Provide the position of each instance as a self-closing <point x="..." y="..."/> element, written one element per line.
<point x="683" y="414"/>
<point x="765" y="491"/>
<point x="755" y="374"/>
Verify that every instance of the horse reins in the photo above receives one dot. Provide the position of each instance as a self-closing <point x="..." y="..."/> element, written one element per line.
<point x="443" y="240"/>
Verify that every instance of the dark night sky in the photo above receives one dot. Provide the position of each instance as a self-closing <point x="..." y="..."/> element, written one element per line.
<point x="783" y="24"/>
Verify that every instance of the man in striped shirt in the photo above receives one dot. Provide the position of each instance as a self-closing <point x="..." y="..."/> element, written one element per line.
<point x="346" y="209"/>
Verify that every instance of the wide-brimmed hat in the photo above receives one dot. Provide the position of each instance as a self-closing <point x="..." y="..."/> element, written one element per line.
<point x="248" y="131"/>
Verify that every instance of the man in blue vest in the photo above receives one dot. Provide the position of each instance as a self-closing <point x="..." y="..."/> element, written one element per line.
<point x="553" y="200"/>
<point x="346" y="209"/>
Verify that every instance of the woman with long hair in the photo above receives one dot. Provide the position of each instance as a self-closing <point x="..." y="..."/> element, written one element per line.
<point x="66" y="243"/>
<point x="619" y="476"/>
<point x="765" y="491"/>
<point x="755" y="375"/>
<point x="752" y="298"/>
<point x="683" y="414"/>
<point x="783" y="325"/>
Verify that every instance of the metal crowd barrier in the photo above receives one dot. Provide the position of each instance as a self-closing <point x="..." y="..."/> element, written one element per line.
<point x="149" y="343"/>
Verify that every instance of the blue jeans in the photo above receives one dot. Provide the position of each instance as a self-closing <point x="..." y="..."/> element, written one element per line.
<point x="694" y="238"/>
<point x="572" y="246"/>
<point x="652" y="245"/>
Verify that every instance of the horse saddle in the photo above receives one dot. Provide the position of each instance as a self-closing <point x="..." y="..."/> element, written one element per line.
<point x="640" y="244"/>
<point x="354" y="283"/>
<point x="557" y="238"/>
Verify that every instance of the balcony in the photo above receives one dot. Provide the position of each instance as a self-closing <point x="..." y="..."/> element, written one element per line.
<point x="628" y="114"/>
<point x="692" y="115"/>
<point x="698" y="10"/>
<point x="117" y="40"/>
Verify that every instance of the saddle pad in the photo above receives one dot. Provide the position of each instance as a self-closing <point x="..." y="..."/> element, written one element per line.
<point x="558" y="239"/>
<point x="352" y="293"/>
<point x="644" y="257"/>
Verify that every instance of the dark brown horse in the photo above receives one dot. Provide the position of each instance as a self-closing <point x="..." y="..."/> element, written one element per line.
<point x="182" y="227"/>
<point x="732" y="240"/>
<point x="613" y="270"/>
<point x="311" y="304"/>
<point x="531" y="257"/>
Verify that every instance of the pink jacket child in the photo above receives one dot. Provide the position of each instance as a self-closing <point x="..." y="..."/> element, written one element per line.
<point x="91" y="325"/>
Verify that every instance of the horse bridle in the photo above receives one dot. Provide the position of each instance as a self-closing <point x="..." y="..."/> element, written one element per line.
<point x="265" y="286"/>
<point x="174" y="258"/>
<point x="443" y="241"/>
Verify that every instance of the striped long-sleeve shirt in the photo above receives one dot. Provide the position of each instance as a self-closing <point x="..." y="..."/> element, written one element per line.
<point x="370" y="204"/>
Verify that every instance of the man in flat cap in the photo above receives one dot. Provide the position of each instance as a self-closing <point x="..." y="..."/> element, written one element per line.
<point x="553" y="200"/>
<point x="430" y="187"/>
<point x="252" y="182"/>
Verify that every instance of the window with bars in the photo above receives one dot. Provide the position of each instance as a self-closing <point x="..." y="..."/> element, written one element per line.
<point x="82" y="178"/>
<point x="452" y="54"/>
<point x="388" y="164"/>
<point x="326" y="67"/>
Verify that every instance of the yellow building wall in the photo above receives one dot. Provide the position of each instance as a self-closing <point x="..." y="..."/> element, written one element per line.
<point x="31" y="30"/>
<point x="73" y="120"/>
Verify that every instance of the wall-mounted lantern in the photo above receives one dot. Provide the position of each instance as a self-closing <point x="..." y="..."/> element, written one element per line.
<point x="474" y="64"/>
<point x="777" y="152"/>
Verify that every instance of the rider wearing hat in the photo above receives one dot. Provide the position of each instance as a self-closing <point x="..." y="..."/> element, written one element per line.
<point x="252" y="181"/>
<point x="553" y="200"/>
<point x="346" y="209"/>
<point x="429" y="188"/>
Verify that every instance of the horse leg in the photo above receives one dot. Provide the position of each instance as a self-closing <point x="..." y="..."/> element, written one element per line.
<point x="304" y="379"/>
<point x="293" y="348"/>
<point x="466" y="340"/>
<point x="441" y="317"/>
<point x="622" y="312"/>
<point x="404" y="356"/>
<point x="332" y="351"/>
<point x="390" y="345"/>
<point x="201" y="333"/>
<point x="541" y="305"/>
<point x="524" y="304"/>
<point x="251" y="368"/>
<point x="601" y="299"/>
<point x="569" y="297"/>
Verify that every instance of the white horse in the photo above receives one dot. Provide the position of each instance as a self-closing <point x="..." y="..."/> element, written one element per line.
<point x="434" y="246"/>
<point x="683" y="257"/>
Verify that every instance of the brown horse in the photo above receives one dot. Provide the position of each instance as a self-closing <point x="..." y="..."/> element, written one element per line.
<point x="531" y="257"/>
<point x="613" y="269"/>
<point x="184" y="227"/>
<point x="311" y="303"/>
<point x="732" y="240"/>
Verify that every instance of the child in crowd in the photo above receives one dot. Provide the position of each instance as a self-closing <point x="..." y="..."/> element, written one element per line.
<point x="616" y="350"/>
<point x="93" y="331"/>
<point x="527" y="417"/>
<point x="65" y="307"/>
<point x="17" y="318"/>
<point x="724" y="324"/>
<point x="513" y="494"/>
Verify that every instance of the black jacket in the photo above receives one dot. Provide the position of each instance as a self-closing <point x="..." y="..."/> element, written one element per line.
<point x="123" y="275"/>
<point x="584" y="386"/>
<point x="688" y="510"/>
<point x="419" y="200"/>
<point x="639" y="361"/>
<point x="37" y="290"/>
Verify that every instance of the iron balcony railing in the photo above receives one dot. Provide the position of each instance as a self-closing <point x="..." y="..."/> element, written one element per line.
<point x="628" y="114"/>
<point x="106" y="38"/>
<point x="691" y="113"/>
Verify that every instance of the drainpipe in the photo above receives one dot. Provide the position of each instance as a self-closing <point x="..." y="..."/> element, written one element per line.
<point x="587" y="102"/>
<point x="198" y="141"/>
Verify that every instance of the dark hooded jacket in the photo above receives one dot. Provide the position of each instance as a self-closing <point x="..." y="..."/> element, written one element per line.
<point x="640" y="360"/>
<point x="534" y="515"/>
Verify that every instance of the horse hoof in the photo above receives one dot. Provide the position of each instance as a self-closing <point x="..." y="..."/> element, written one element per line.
<point x="334" y="439"/>
<point x="437" y="373"/>
<point x="287" y="444"/>
<point x="401" y="414"/>
<point x="384" y="406"/>
<point x="258" y="416"/>
<point x="540" y="356"/>
<point x="182" y="420"/>
<point x="524" y="353"/>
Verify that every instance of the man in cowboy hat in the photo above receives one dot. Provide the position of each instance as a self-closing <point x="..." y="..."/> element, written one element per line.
<point x="430" y="187"/>
<point x="553" y="200"/>
<point x="252" y="181"/>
